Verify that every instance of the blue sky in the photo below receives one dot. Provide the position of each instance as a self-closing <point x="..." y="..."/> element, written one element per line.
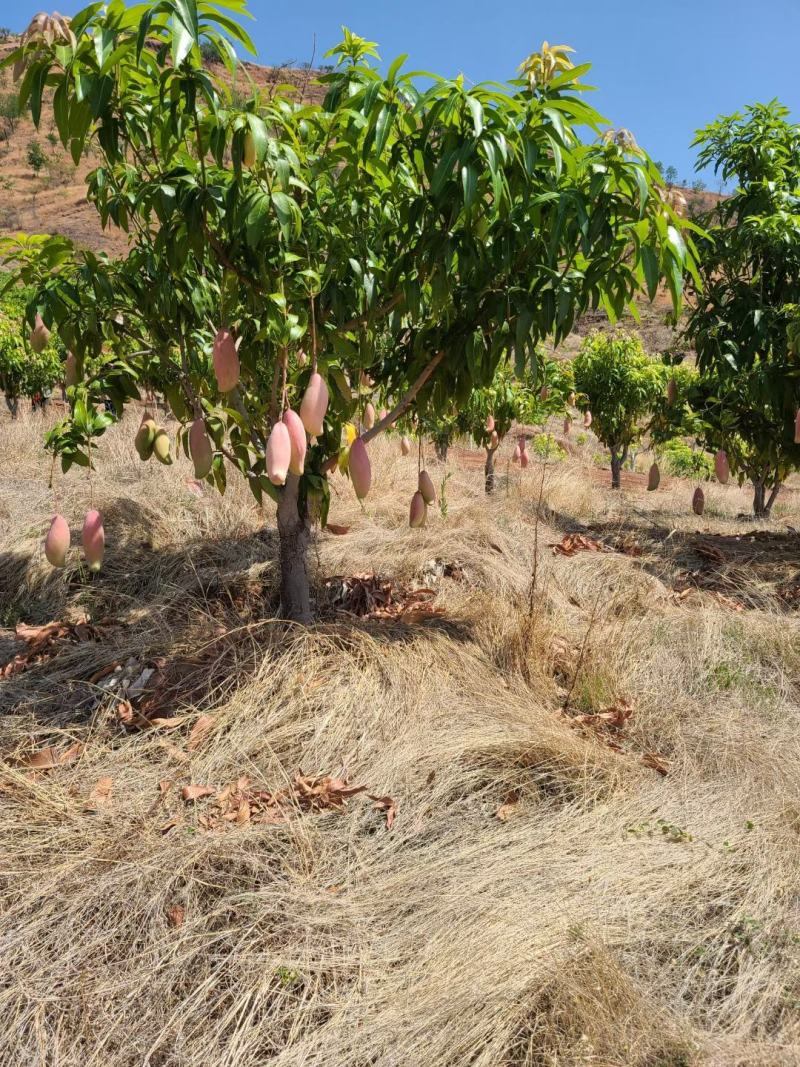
<point x="661" y="70"/>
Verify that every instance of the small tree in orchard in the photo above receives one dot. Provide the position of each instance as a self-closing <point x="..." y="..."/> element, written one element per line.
<point x="736" y="418"/>
<point x="411" y="228"/>
<point x="618" y="382"/>
<point x="490" y="413"/>
<point x="744" y="309"/>
<point x="23" y="372"/>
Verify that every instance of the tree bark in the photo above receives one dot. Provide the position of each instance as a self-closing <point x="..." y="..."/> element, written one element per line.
<point x="12" y="403"/>
<point x="616" y="468"/>
<point x="488" y="470"/>
<point x="294" y="535"/>
<point x="441" y="446"/>
<point x="762" y="505"/>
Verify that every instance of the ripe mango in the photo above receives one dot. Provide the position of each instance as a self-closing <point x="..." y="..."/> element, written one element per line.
<point x="360" y="468"/>
<point x="56" y="544"/>
<point x="94" y="539"/>
<point x="279" y="453"/>
<point x="425" y="486"/>
<point x="226" y="360"/>
<point x="314" y="405"/>
<point x="418" y="511"/>
<point x="200" y="449"/>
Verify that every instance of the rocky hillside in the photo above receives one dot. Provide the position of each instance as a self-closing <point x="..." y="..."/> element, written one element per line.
<point x="41" y="191"/>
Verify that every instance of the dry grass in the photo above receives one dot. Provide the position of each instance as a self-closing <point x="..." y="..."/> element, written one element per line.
<point x="614" y="916"/>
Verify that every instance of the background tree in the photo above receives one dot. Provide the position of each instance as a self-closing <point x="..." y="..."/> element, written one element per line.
<point x="618" y="382"/>
<point x="23" y="372"/>
<point x="406" y="227"/>
<point x="745" y="305"/>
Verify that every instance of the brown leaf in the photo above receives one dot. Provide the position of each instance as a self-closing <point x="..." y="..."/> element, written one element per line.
<point x="199" y="731"/>
<point x="655" y="763"/>
<point x="45" y="759"/>
<point x="509" y="807"/>
<point x="173" y="822"/>
<point x="339" y="531"/>
<point x="100" y="796"/>
<point x="196" y="792"/>
<point x="572" y="543"/>
<point x="171" y="723"/>
<point x="165" y="785"/>
<point x="176" y="915"/>
<point x="386" y="804"/>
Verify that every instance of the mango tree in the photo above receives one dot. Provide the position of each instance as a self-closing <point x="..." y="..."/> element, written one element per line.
<point x="408" y="227"/>
<point x="618" y="382"/>
<point x="23" y="372"/>
<point x="745" y="307"/>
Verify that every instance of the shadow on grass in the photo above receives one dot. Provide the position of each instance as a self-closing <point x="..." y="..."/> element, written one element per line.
<point x="201" y="617"/>
<point x="759" y="567"/>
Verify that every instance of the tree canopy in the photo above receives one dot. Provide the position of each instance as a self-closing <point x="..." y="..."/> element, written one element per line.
<point x="408" y="226"/>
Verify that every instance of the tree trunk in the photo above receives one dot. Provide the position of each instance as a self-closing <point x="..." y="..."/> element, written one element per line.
<point x="762" y="505"/>
<point x="441" y="445"/>
<point x="488" y="469"/>
<point x="12" y="403"/>
<point x="294" y="535"/>
<point x="616" y="468"/>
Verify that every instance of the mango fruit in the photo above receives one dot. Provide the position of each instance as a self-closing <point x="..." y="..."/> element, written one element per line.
<point x="200" y="449"/>
<point x="40" y="335"/>
<point x="226" y="360"/>
<point x="161" y="447"/>
<point x="297" y="440"/>
<point x="360" y="468"/>
<point x="94" y="539"/>
<point x="145" y="437"/>
<point x="425" y="486"/>
<point x="417" y="512"/>
<point x="56" y="543"/>
<point x="698" y="501"/>
<point x="279" y="453"/>
<point x="653" y="478"/>
<point x="314" y="405"/>
<point x="722" y="467"/>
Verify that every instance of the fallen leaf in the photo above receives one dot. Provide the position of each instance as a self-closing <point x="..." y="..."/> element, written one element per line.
<point x="199" y="731"/>
<point x="386" y="804"/>
<point x="175" y="915"/>
<point x="196" y="792"/>
<point x="572" y="543"/>
<point x="334" y="528"/>
<point x="100" y="796"/>
<point x="655" y="763"/>
<point x="509" y="807"/>
<point x="171" y="723"/>
<point x="175" y="821"/>
<point x="45" y="759"/>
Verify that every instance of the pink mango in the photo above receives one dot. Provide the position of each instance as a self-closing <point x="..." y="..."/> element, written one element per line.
<point x="418" y="511"/>
<point x="226" y="360"/>
<point x="314" y="405"/>
<point x="425" y="486"/>
<point x="56" y="544"/>
<point x="297" y="438"/>
<point x="360" y="469"/>
<point x="279" y="453"/>
<point x="94" y="539"/>
<point x="200" y="448"/>
<point x="722" y="467"/>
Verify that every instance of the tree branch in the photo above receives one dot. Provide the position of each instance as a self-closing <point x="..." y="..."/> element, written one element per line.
<point x="400" y="409"/>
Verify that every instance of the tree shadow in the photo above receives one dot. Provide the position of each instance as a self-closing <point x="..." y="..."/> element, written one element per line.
<point x="759" y="568"/>
<point x="202" y="617"/>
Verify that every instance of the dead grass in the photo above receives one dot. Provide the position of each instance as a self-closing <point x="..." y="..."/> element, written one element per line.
<point x="543" y="897"/>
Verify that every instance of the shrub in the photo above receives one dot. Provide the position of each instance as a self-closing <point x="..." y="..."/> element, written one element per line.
<point x="35" y="156"/>
<point x="546" y="446"/>
<point x="683" y="461"/>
